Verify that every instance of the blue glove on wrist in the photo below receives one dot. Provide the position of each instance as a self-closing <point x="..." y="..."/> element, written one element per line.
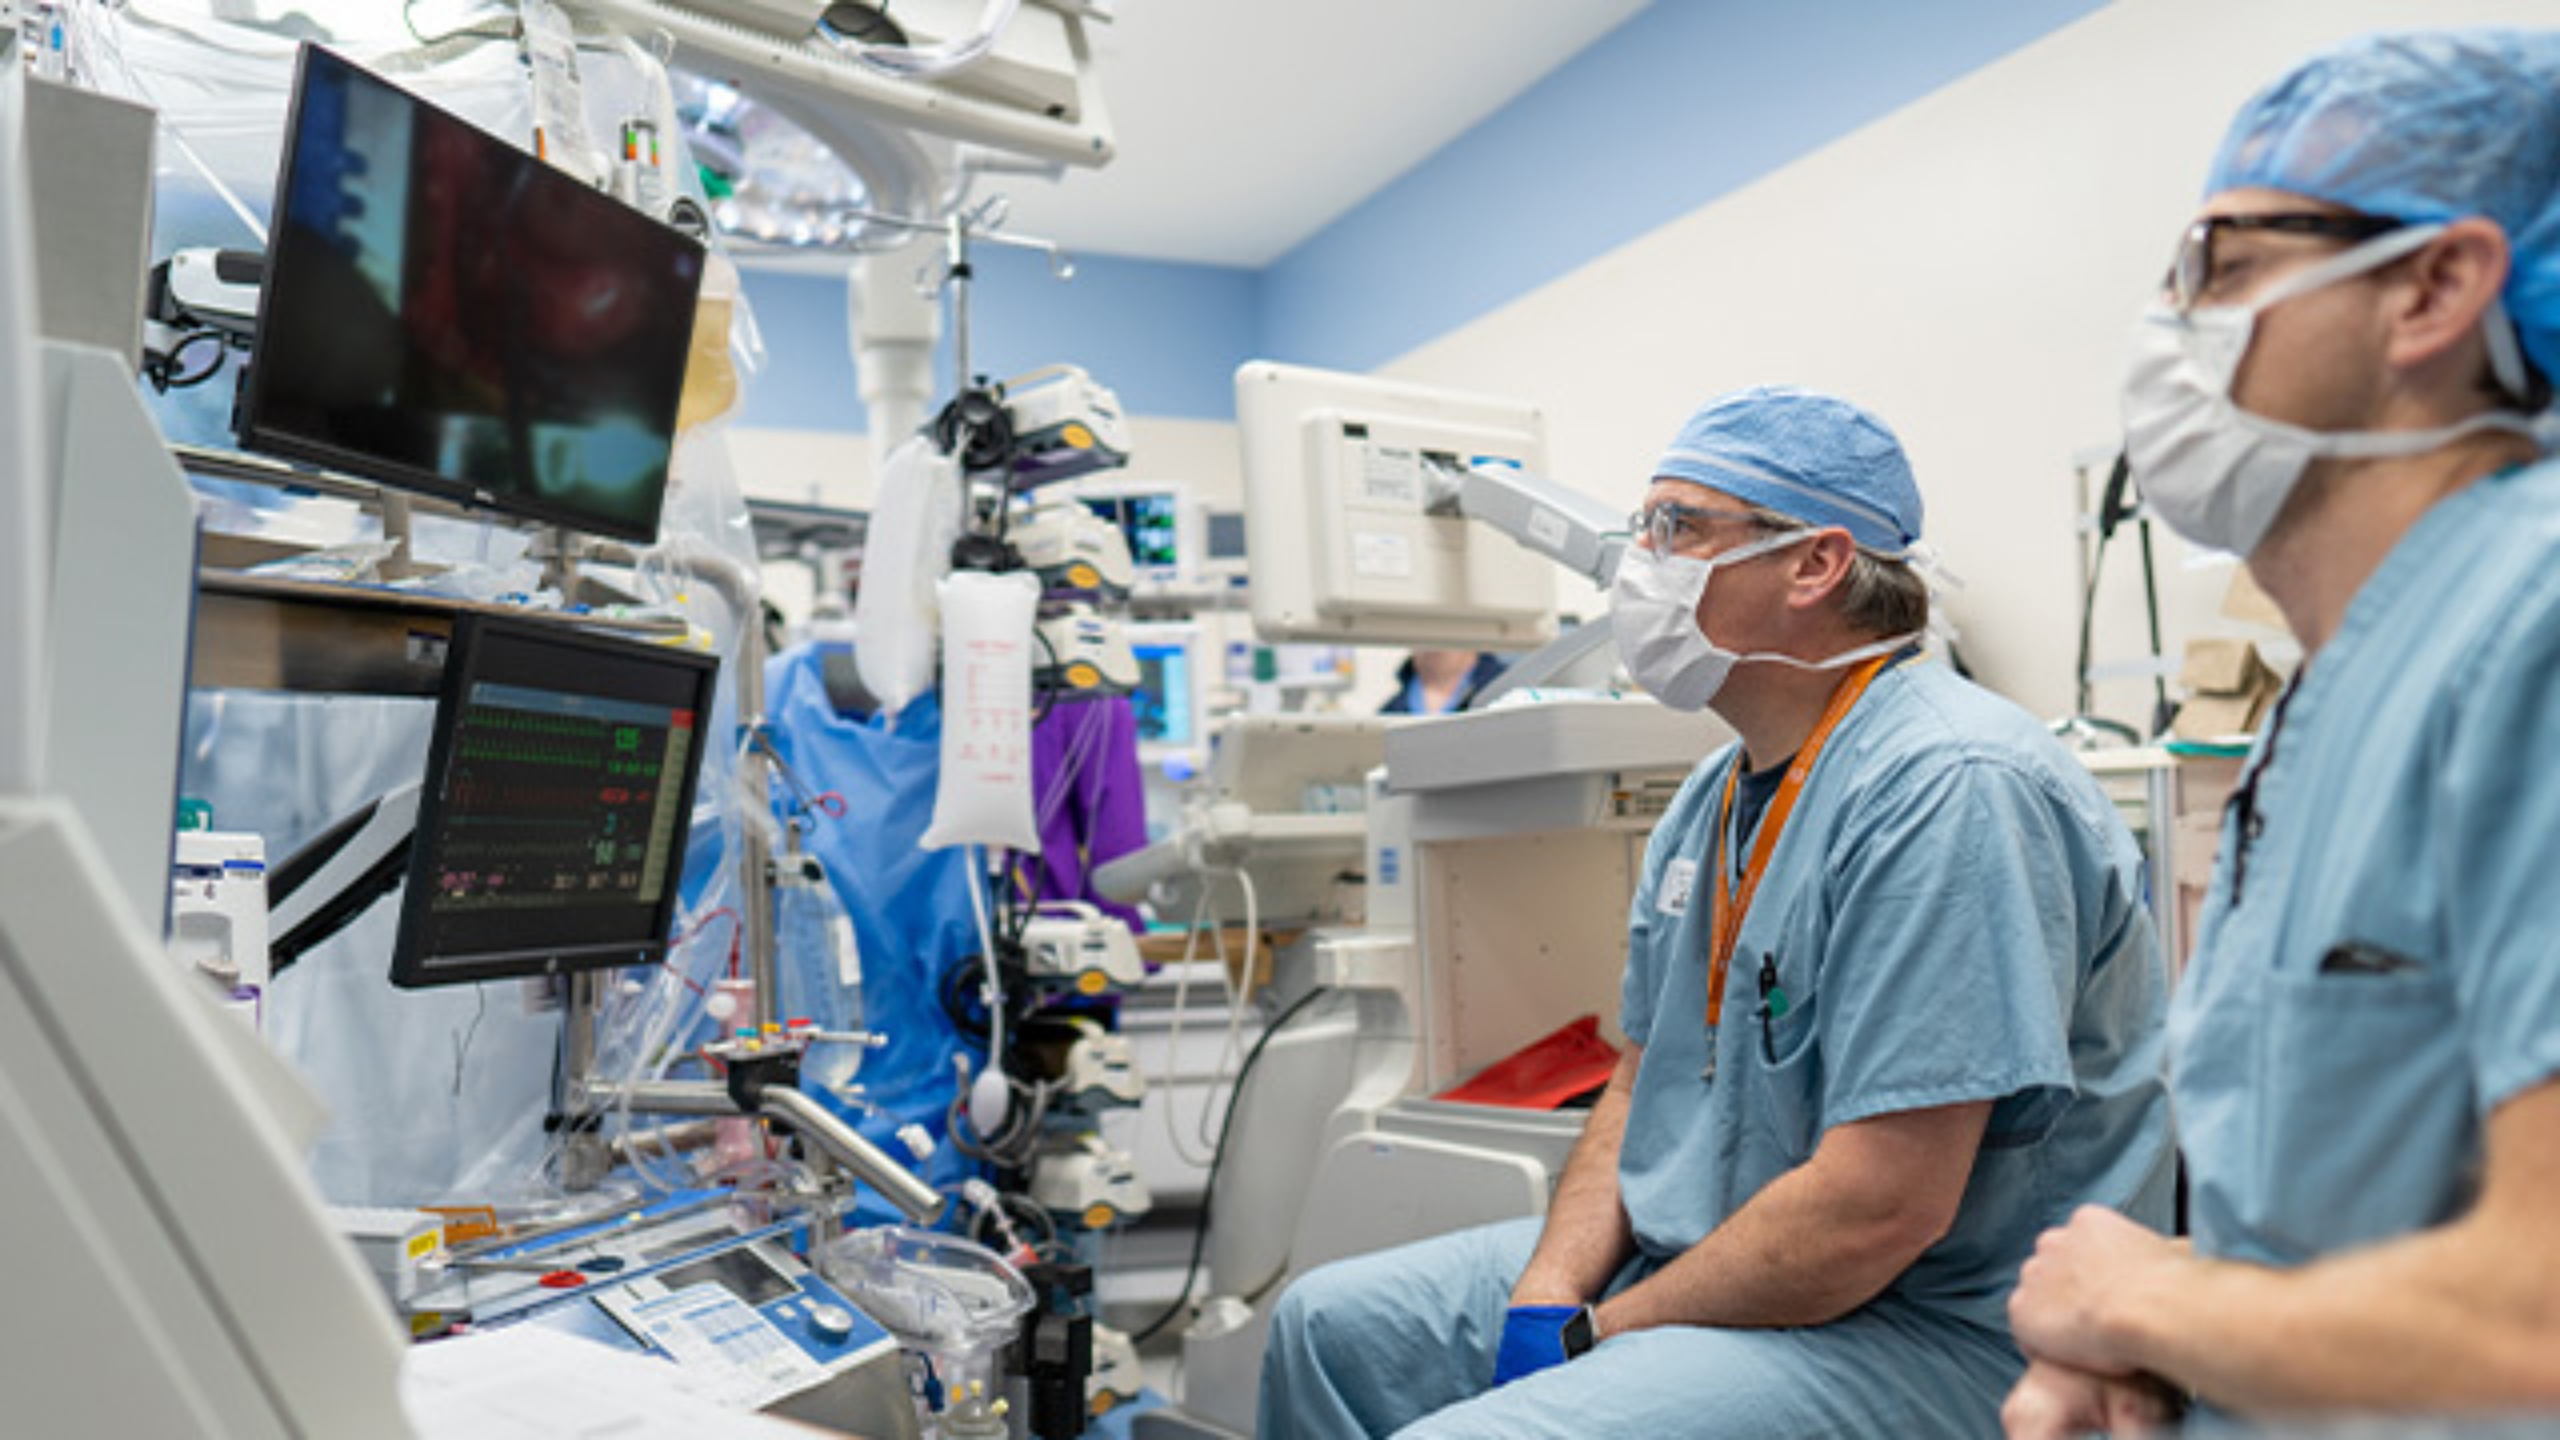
<point x="1532" y="1340"/>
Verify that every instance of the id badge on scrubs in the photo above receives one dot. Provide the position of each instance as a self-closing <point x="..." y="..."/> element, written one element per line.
<point x="1679" y="882"/>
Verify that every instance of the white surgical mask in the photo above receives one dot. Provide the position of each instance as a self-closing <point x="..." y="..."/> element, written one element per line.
<point x="2217" y="474"/>
<point x="1653" y="615"/>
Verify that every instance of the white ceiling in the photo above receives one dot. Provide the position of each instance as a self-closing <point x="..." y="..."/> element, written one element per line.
<point x="1242" y="126"/>
<point x="1245" y="126"/>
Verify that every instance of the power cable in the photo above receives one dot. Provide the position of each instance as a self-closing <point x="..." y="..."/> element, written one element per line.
<point x="1217" y="1158"/>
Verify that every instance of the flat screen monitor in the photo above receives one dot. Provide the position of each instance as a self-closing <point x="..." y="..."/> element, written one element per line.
<point x="559" y="789"/>
<point x="1349" y="541"/>
<point x="1152" y="522"/>
<point x="1166" y="703"/>
<point x="444" y="313"/>
<point x="1226" y="547"/>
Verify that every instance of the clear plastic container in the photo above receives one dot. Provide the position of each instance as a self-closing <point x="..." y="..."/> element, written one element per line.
<point x="953" y="1301"/>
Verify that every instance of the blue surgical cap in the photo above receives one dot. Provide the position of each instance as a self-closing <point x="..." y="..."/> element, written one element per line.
<point x="1804" y="455"/>
<point x="2422" y="127"/>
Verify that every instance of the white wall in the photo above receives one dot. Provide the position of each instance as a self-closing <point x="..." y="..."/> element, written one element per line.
<point x="1967" y="267"/>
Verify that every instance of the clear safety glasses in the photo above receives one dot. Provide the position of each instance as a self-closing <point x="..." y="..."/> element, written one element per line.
<point x="2191" y="273"/>
<point x="1670" y="527"/>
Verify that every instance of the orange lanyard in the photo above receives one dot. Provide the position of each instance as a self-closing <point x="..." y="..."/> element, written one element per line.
<point x="1727" y="905"/>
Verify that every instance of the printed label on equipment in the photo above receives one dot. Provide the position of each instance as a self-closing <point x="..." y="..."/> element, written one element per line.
<point x="1548" y="528"/>
<point x="1378" y="555"/>
<point x="1390" y="477"/>
<point x="736" y="1354"/>
<point x="1678" y="879"/>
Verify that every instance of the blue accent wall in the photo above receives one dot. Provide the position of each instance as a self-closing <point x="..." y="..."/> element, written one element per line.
<point x="1166" y="337"/>
<point x="807" y="380"/>
<point x="1684" y="103"/>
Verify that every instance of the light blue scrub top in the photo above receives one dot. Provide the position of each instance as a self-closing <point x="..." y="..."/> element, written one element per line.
<point x="2379" y="966"/>
<point x="1955" y="911"/>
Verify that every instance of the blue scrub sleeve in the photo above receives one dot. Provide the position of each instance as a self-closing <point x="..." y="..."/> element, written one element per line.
<point x="1642" y="979"/>
<point x="2501" y="821"/>
<point x="1952" y="962"/>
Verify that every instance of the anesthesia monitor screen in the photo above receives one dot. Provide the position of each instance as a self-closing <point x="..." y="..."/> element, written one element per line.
<point x="559" y="788"/>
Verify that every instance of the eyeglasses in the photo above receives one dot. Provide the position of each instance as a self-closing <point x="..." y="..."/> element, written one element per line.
<point x="1665" y="523"/>
<point x="2191" y="273"/>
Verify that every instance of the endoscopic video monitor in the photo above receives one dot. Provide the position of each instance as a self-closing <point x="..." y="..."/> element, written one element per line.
<point x="559" y="788"/>
<point x="444" y="313"/>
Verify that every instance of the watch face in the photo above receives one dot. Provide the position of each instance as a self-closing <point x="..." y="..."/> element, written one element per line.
<point x="1578" y="1335"/>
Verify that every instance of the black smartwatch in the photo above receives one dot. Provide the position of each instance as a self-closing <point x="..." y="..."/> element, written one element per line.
<point x="1580" y="1333"/>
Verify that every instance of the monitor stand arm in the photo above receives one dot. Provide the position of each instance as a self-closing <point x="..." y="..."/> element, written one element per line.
<point x="337" y="875"/>
<point x="399" y="527"/>
<point x="1568" y="527"/>
<point x="1580" y="658"/>
<point x="1571" y="528"/>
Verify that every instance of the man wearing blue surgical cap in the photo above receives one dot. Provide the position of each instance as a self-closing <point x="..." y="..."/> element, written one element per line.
<point x="2341" y="383"/>
<point x="1893" y="1002"/>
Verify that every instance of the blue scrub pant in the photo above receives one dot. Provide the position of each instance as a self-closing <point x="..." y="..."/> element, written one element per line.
<point x="1402" y="1343"/>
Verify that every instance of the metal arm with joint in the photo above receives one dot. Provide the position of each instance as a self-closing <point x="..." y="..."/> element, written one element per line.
<point x="1565" y="525"/>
